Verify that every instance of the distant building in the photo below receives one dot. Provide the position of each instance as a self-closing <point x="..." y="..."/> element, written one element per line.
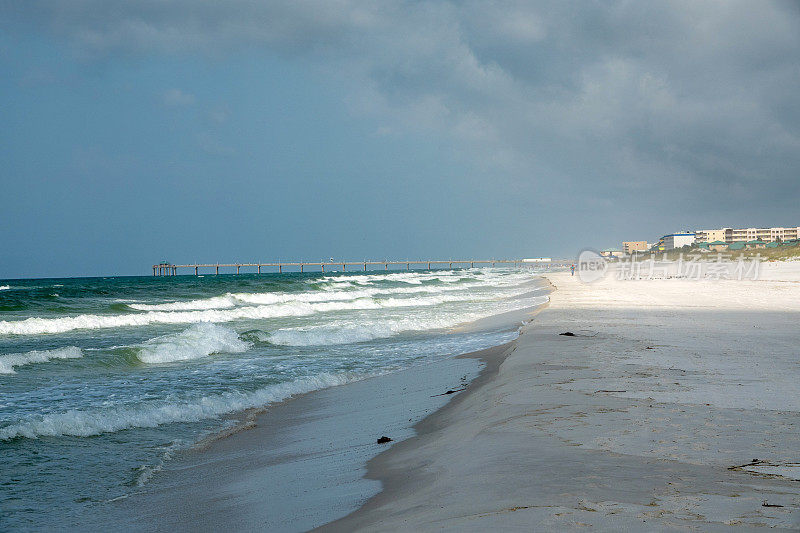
<point x="731" y="235"/>
<point x="718" y="246"/>
<point x="537" y="260"/>
<point x="611" y="252"/>
<point x="678" y="240"/>
<point x="628" y="247"/>
<point x="712" y="235"/>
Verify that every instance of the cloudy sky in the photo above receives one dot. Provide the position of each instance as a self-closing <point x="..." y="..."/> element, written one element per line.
<point x="201" y="130"/>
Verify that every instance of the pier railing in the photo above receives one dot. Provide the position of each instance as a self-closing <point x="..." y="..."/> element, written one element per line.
<point x="168" y="269"/>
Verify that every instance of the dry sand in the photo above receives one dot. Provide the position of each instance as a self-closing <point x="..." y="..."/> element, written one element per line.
<point x="643" y="421"/>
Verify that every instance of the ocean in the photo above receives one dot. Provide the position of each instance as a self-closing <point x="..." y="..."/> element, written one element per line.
<point x="104" y="380"/>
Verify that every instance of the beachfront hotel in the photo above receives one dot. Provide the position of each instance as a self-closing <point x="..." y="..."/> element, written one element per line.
<point x="676" y="240"/>
<point x="628" y="247"/>
<point x="730" y="235"/>
<point x="718" y="239"/>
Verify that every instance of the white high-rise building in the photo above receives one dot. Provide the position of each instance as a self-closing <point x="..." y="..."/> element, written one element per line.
<point x="678" y="240"/>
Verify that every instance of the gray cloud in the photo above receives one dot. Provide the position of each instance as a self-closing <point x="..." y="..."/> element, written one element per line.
<point x="604" y="101"/>
<point x="177" y="98"/>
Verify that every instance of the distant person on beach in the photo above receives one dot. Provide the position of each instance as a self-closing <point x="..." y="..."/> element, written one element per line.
<point x="572" y="270"/>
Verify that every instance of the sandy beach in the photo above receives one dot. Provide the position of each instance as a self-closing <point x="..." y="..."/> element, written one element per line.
<point x="294" y="266"/>
<point x="674" y="406"/>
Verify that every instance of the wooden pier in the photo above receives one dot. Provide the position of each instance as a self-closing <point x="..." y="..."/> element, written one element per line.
<point x="168" y="269"/>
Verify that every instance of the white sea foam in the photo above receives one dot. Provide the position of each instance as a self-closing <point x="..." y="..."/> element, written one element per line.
<point x="84" y="423"/>
<point x="146" y="472"/>
<point x="200" y="340"/>
<point x="218" y="302"/>
<point x="424" y="301"/>
<point x="327" y="335"/>
<point x="349" y="333"/>
<point x="414" y="278"/>
<point x="5" y="287"/>
<point x="305" y="297"/>
<point x="9" y="361"/>
<point x="37" y="326"/>
<point x="334" y="290"/>
<point x="255" y="306"/>
<point x="231" y="300"/>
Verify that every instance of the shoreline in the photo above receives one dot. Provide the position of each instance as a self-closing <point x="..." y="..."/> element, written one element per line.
<point x="248" y="419"/>
<point x="378" y="467"/>
<point x="298" y="465"/>
<point x="661" y="419"/>
<point x="320" y="440"/>
<point x="492" y="358"/>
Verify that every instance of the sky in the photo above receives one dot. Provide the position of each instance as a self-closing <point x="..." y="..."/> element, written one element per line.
<point x="197" y="130"/>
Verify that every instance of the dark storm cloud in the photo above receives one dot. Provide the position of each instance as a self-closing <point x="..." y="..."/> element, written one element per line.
<point x="612" y="100"/>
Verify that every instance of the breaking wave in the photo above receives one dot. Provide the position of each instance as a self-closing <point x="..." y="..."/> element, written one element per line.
<point x="229" y="301"/>
<point x="349" y="333"/>
<point x="327" y="335"/>
<point x="36" y="325"/>
<point x="152" y="414"/>
<point x="200" y="340"/>
<point x="217" y="302"/>
<point x="9" y="361"/>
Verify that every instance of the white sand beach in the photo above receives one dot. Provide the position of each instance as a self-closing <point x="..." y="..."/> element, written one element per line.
<point x="675" y="406"/>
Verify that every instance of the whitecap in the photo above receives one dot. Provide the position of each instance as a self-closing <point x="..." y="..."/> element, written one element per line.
<point x="256" y="306"/>
<point x="85" y="423"/>
<point x="354" y="332"/>
<point x="331" y="292"/>
<point x="200" y="340"/>
<point x="37" y="326"/>
<point x="9" y="361"/>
